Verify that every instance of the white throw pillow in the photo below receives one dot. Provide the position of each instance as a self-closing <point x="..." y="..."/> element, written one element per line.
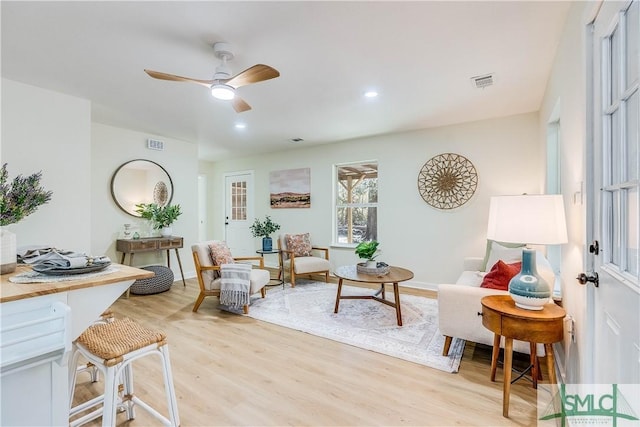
<point x="499" y="252"/>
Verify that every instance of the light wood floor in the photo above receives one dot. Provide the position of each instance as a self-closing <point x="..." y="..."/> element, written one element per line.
<point x="232" y="370"/>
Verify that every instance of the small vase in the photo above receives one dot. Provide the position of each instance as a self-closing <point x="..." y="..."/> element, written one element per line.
<point x="166" y="231"/>
<point x="529" y="290"/>
<point x="267" y="244"/>
<point x="372" y="263"/>
<point x="127" y="231"/>
<point x="8" y="260"/>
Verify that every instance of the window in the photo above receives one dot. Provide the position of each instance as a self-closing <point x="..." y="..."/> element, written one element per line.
<point x="621" y="129"/>
<point x="239" y="200"/>
<point x="356" y="203"/>
<point x="554" y="252"/>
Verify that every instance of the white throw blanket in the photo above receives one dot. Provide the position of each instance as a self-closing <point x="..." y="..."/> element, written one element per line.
<point x="234" y="284"/>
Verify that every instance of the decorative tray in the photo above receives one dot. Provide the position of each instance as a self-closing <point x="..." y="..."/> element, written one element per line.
<point x="380" y="270"/>
<point x="69" y="271"/>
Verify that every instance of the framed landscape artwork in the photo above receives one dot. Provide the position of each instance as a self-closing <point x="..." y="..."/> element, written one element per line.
<point x="290" y="188"/>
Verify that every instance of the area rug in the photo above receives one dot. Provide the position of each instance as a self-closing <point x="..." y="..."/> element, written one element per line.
<point x="366" y="324"/>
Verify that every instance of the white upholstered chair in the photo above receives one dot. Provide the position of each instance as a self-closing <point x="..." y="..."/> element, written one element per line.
<point x="209" y="279"/>
<point x="459" y="307"/>
<point x="300" y="257"/>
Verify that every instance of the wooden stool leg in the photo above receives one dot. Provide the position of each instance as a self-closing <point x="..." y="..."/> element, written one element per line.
<point x="494" y="356"/>
<point x="110" y="397"/>
<point x="172" y="404"/>
<point x="128" y="391"/>
<point x="73" y="373"/>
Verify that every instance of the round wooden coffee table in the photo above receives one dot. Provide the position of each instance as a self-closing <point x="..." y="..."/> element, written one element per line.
<point x="396" y="275"/>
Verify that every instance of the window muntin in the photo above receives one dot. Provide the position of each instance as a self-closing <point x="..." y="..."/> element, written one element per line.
<point x="356" y="202"/>
<point x="239" y="201"/>
<point x="620" y="124"/>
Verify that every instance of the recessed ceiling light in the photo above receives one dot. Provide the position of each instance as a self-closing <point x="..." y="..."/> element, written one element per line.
<point x="370" y="94"/>
<point x="240" y="125"/>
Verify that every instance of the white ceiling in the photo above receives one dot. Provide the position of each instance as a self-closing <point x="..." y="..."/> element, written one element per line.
<point x="420" y="56"/>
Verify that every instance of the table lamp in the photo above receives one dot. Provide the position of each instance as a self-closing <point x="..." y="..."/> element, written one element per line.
<point x="529" y="219"/>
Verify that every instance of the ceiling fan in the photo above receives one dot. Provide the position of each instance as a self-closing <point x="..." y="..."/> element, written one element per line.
<point x="223" y="85"/>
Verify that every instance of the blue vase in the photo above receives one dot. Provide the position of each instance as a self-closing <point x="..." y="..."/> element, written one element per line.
<point x="529" y="290"/>
<point x="267" y="244"/>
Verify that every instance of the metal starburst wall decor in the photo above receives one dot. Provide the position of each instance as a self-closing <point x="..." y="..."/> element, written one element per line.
<point x="447" y="181"/>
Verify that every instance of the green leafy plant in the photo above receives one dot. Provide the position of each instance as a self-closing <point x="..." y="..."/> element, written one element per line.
<point x="367" y="250"/>
<point x="264" y="228"/>
<point x="160" y="216"/>
<point x="20" y="197"/>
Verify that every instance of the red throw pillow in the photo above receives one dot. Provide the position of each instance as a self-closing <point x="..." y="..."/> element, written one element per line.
<point x="500" y="275"/>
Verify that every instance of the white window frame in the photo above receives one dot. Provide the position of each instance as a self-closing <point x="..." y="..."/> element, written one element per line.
<point x="616" y="184"/>
<point x="336" y="205"/>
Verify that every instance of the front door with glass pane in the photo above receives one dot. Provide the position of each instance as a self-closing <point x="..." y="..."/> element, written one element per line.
<point x="614" y="306"/>
<point x="239" y="213"/>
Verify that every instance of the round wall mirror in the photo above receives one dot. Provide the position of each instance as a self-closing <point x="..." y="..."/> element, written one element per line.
<point x="141" y="181"/>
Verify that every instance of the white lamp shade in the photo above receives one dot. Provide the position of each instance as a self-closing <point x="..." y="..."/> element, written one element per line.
<point x="529" y="219"/>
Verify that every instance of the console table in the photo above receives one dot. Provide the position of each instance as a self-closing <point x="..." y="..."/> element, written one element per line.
<point x="151" y="244"/>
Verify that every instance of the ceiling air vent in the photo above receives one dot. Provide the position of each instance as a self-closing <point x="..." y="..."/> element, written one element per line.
<point x="154" y="144"/>
<point x="480" y="82"/>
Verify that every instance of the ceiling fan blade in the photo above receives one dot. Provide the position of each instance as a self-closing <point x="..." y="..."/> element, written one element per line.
<point x="239" y="105"/>
<point x="174" y="78"/>
<point x="255" y="74"/>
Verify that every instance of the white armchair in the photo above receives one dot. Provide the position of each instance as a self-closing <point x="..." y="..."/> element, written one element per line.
<point x="460" y="311"/>
<point x="209" y="279"/>
<point x="299" y="257"/>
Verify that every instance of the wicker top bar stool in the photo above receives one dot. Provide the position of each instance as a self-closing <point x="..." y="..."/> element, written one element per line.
<point x="111" y="347"/>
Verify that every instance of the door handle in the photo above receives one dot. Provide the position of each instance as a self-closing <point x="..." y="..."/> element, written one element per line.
<point x="583" y="279"/>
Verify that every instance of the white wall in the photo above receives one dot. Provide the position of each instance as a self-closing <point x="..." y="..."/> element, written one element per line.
<point x="430" y="242"/>
<point x="111" y="147"/>
<point x="50" y="132"/>
<point x="53" y="132"/>
<point x="567" y="88"/>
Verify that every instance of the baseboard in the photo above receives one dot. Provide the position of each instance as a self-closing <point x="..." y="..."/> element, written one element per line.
<point x="420" y="285"/>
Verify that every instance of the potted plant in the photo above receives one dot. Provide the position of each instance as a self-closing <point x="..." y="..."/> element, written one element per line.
<point x="264" y="229"/>
<point x="18" y="199"/>
<point x="160" y="216"/>
<point x="369" y="251"/>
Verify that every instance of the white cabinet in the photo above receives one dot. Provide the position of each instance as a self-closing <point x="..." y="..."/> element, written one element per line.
<point x="38" y="323"/>
<point x="34" y="345"/>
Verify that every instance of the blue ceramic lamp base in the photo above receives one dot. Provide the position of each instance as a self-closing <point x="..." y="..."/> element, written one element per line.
<point x="529" y="290"/>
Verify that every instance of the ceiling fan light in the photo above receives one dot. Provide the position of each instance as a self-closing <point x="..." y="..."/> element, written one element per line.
<point x="222" y="91"/>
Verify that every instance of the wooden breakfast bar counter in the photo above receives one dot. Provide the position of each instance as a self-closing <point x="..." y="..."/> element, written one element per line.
<point x="38" y="323"/>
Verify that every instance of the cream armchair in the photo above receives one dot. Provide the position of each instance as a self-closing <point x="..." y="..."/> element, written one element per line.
<point x="460" y="311"/>
<point x="209" y="279"/>
<point x="299" y="257"/>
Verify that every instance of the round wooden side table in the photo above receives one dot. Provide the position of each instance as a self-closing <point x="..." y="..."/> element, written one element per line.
<point x="501" y="316"/>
